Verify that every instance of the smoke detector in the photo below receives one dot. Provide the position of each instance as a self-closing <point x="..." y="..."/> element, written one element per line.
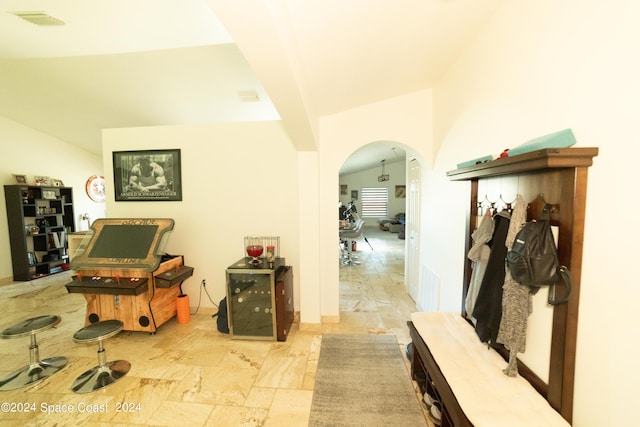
<point x="38" y="18"/>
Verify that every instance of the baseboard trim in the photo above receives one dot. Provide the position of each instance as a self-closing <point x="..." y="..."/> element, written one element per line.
<point x="330" y="319"/>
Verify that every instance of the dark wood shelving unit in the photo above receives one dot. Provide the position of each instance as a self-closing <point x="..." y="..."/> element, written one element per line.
<point x="43" y="251"/>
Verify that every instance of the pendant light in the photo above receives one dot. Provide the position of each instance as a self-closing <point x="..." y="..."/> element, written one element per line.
<point x="383" y="177"/>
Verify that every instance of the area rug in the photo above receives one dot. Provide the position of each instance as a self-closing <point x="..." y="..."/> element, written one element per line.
<point x="362" y="381"/>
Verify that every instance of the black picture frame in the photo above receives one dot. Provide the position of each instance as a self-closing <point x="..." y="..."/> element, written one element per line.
<point x="159" y="180"/>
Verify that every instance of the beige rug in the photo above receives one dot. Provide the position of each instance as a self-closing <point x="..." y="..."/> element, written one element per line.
<point x="362" y="381"/>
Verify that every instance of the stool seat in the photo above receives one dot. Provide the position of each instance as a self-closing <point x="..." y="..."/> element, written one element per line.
<point x="31" y="326"/>
<point x="37" y="369"/>
<point x="106" y="372"/>
<point x="98" y="331"/>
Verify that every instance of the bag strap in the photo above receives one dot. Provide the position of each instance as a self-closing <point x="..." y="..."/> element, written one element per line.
<point x="563" y="272"/>
<point x="565" y="275"/>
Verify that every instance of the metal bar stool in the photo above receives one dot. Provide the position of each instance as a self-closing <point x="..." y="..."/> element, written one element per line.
<point x="37" y="369"/>
<point x="351" y="233"/>
<point x="106" y="372"/>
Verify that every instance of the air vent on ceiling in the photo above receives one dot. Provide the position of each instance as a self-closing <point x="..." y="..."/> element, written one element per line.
<point x="38" y="18"/>
<point x="248" y="96"/>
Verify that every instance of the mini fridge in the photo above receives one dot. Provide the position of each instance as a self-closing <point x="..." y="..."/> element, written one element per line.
<point x="259" y="299"/>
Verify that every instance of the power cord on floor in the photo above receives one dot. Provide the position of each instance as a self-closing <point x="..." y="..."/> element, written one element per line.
<point x="203" y="285"/>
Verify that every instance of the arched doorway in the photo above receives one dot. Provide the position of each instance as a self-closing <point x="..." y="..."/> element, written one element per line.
<point x="389" y="166"/>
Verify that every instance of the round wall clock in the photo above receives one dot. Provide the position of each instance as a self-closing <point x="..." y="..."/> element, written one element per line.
<point x="95" y="188"/>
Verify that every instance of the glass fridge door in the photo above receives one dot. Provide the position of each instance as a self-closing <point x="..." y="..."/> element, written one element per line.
<point x="251" y="304"/>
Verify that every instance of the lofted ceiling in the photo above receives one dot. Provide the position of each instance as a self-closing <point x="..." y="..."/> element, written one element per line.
<point x="131" y="63"/>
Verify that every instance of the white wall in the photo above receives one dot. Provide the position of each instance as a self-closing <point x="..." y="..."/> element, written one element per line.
<point x="238" y="179"/>
<point x="309" y="211"/>
<point x="540" y="67"/>
<point x="397" y="172"/>
<point x="28" y="152"/>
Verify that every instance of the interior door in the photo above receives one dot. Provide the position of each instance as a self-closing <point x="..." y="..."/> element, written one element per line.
<point x="412" y="230"/>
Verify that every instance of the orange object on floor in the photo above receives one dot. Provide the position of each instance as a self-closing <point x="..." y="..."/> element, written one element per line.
<point x="183" y="309"/>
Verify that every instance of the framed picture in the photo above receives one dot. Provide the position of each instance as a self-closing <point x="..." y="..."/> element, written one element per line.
<point x="150" y="176"/>
<point x="57" y="183"/>
<point x="19" y="179"/>
<point x="343" y="189"/>
<point x="32" y="258"/>
<point x="42" y="180"/>
<point x="354" y="194"/>
<point x="401" y="192"/>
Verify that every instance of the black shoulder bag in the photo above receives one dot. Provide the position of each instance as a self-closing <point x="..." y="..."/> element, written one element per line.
<point x="533" y="260"/>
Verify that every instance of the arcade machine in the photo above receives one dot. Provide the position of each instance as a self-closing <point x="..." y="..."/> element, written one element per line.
<point x="124" y="274"/>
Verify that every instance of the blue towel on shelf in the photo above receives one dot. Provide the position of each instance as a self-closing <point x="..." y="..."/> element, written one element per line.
<point x="561" y="139"/>
<point x="475" y="161"/>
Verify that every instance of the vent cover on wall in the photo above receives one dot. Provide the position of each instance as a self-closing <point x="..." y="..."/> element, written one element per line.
<point x="38" y="18"/>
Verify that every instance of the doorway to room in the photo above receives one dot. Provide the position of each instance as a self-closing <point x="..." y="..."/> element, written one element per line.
<point x="382" y="280"/>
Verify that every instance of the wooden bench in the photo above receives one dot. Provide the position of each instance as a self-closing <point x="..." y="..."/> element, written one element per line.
<point x="466" y="376"/>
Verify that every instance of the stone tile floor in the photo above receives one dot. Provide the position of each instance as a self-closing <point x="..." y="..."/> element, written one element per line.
<point x="190" y="374"/>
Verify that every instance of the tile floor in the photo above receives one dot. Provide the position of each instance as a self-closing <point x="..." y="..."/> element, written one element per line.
<point x="190" y="374"/>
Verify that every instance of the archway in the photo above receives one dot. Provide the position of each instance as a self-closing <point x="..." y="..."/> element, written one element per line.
<point x="392" y="168"/>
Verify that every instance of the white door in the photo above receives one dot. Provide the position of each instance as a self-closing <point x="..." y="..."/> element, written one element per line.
<point x="412" y="230"/>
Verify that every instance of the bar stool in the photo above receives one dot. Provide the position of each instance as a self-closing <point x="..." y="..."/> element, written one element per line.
<point x="106" y="372"/>
<point x="351" y="233"/>
<point x="37" y="369"/>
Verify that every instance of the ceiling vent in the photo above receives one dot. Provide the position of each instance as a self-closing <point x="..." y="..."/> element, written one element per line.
<point x="38" y="18"/>
<point x="248" y="96"/>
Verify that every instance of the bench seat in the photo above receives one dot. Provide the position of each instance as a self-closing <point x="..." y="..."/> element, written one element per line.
<point x="479" y="393"/>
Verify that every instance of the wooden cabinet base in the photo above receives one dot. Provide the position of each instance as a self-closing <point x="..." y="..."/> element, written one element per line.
<point x="144" y="312"/>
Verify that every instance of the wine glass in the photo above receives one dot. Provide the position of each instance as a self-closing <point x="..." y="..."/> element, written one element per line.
<point x="254" y="249"/>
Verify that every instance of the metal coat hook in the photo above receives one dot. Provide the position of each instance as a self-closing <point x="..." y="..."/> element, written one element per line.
<point x="544" y="207"/>
<point x="492" y="205"/>
<point x="508" y="205"/>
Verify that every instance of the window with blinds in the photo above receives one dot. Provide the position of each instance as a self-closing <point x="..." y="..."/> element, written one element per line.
<point x="374" y="201"/>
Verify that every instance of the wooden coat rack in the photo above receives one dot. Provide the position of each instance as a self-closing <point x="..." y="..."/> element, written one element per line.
<point x="550" y="176"/>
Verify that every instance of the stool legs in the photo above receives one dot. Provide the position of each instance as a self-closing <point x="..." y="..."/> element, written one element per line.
<point x="102" y="375"/>
<point x="35" y="371"/>
<point x="350" y="258"/>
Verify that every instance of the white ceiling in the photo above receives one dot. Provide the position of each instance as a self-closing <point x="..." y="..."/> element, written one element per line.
<point x="130" y="63"/>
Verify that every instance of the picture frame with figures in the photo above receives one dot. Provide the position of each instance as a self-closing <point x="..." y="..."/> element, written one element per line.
<point x="19" y="179"/>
